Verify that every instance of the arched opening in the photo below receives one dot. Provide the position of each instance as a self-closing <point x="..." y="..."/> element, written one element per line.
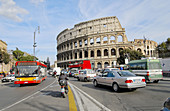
<point x="75" y="55"/>
<point x="113" y="52"/>
<point x="91" y="41"/>
<point x="105" y="52"/>
<point x="80" y="43"/>
<point x="75" y="44"/>
<point x="105" y="40"/>
<point x="85" y="54"/>
<point x="71" y="56"/>
<point x="80" y="54"/>
<point x="98" y="40"/>
<point x="99" y="65"/>
<point x="85" y="42"/>
<point x="106" y="64"/>
<point x="112" y="39"/>
<point x="119" y="38"/>
<point x="120" y="49"/>
<point x="92" y="65"/>
<point x="67" y="56"/>
<point x="98" y="53"/>
<point x="139" y="50"/>
<point x="92" y="53"/>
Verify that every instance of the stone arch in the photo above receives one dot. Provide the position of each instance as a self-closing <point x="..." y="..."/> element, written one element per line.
<point x="92" y="65"/>
<point x="99" y="65"/>
<point x="75" y="55"/>
<point x="105" y="52"/>
<point x="105" y="40"/>
<point x="80" y="54"/>
<point x="120" y="38"/>
<point x="112" y="39"/>
<point x="98" y="53"/>
<point x="91" y="41"/>
<point x="71" y="56"/>
<point x="120" y="49"/>
<point x="98" y="40"/>
<point x="92" y="54"/>
<point x="67" y="56"/>
<point x="139" y="50"/>
<point x="85" y="53"/>
<point x="75" y="44"/>
<point x="106" y="64"/>
<point x="85" y="42"/>
<point x="113" y="52"/>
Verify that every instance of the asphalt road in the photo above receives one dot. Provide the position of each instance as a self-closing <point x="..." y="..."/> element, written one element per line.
<point x="46" y="97"/>
<point x="150" y="98"/>
<point x="42" y="97"/>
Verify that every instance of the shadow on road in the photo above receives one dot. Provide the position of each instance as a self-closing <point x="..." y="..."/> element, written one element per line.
<point x="56" y="94"/>
<point x="106" y="88"/>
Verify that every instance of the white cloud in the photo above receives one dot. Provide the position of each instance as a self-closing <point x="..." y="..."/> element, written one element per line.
<point x="146" y="17"/>
<point x="10" y="10"/>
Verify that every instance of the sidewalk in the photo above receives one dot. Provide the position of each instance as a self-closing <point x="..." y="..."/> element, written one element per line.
<point x="166" y="78"/>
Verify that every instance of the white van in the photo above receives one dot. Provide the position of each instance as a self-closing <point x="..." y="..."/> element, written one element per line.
<point x="58" y="70"/>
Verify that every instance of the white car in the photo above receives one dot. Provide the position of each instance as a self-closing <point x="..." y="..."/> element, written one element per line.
<point x="120" y="79"/>
<point x="86" y="75"/>
<point x="8" y="78"/>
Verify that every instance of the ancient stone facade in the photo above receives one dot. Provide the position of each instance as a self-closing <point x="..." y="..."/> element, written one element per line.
<point x="6" y="67"/>
<point x="99" y="41"/>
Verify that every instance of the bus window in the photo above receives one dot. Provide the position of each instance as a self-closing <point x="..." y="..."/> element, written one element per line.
<point x="154" y="65"/>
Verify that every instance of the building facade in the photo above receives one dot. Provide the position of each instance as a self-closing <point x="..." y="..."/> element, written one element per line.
<point x="6" y="67"/>
<point x="100" y="41"/>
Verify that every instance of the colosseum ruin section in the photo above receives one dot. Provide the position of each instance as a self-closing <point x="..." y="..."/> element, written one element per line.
<point x="100" y="41"/>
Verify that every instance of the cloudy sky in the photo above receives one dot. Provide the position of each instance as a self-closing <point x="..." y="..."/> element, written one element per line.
<point x="20" y="18"/>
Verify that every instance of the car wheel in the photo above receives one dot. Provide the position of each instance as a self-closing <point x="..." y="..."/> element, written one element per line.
<point x="155" y="81"/>
<point x="95" y="83"/>
<point x="85" y="79"/>
<point x="78" y="78"/>
<point x="115" y="87"/>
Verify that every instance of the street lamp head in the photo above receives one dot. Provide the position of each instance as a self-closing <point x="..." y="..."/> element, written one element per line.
<point x="39" y="29"/>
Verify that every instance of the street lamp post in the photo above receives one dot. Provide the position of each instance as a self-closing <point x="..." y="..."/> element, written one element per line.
<point x="38" y="28"/>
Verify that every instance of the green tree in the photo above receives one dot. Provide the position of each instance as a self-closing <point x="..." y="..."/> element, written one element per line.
<point x="18" y="54"/>
<point x="4" y="57"/>
<point x="163" y="49"/>
<point x="27" y="58"/>
<point x="130" y="54"/>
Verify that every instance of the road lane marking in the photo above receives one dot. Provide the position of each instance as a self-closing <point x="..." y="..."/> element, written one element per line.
<point x="88" y="96"/>
<point x="27" y="97"/>
<point x="72" y="104"/>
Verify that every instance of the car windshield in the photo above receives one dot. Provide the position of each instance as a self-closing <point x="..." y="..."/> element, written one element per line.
<point x="27" y="71"/>
<point x="125" y="74"/>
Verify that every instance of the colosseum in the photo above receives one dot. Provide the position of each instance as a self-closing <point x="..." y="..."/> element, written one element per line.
<point x="100" y="41"/>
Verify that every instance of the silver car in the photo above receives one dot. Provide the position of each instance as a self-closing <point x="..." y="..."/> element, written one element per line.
<point x="120" y="79"/>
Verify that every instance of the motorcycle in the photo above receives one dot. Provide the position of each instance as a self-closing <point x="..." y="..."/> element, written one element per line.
<point x="64" y="90"/>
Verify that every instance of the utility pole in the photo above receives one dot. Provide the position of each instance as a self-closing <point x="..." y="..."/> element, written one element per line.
<point x="38" y="28"/>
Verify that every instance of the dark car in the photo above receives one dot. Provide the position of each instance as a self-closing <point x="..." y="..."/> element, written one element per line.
<point x="166" y="106"/>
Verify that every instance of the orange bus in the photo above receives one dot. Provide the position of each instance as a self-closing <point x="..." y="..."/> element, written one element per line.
<point x="28" y="72"/>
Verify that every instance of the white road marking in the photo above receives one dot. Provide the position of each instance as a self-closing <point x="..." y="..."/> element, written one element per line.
<point x="26" y="97"/>
<point x="88" y="96"/>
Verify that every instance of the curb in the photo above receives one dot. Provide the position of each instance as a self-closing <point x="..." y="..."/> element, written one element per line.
<point x="89" y="97"/>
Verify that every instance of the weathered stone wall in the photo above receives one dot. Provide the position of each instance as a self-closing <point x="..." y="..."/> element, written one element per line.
<point x="98" y="40"/>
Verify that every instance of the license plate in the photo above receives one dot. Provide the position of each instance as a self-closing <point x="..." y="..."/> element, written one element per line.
<point x="136" y="80"/>
<point x="25" y="82"/>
